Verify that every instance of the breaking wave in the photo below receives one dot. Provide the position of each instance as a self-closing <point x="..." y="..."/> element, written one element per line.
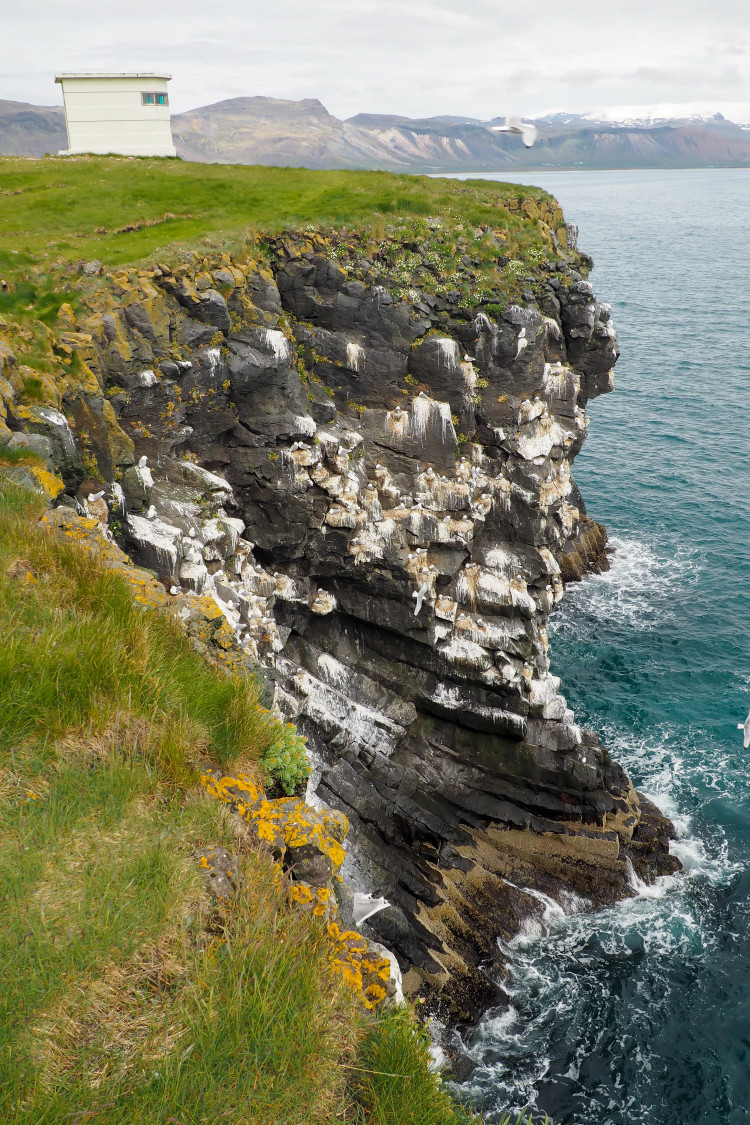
<point x="593" y="994"/>
<point x="637" y="592"/>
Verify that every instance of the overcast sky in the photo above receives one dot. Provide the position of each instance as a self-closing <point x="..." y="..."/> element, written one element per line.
<point x="415" y="57"/>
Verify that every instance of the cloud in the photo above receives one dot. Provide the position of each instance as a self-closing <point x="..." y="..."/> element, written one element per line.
<point x="414" y="57"/>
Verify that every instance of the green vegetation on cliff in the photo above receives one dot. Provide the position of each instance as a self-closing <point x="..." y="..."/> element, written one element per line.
<point x="127" y="997"/>
<point x="56" y="210"/>
<point x="476" y="243"/>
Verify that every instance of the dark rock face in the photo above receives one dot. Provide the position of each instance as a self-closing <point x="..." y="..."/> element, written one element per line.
<point x="406" y="479"/>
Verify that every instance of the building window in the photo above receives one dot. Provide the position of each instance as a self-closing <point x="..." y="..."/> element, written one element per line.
<point x="154" y="99"/>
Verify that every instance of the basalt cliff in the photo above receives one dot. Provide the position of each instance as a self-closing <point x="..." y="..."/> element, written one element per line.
<point x="370" y="476"/>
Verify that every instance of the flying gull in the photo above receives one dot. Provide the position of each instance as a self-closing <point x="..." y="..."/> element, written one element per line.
<point x="420" y="595"/>
<point x="745" y="728"/>
<point x="527" y="131"/>
<point x="365" y="906"/>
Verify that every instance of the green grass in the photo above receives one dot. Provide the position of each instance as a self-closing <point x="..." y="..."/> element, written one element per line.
<point x="17" y="456"/>
<point x="43" y="300"/>
<point x="394" y="1082"/>
<point x="51" y="209"/>
<point x="128" y="998"/>
<point x="77" y="655"/>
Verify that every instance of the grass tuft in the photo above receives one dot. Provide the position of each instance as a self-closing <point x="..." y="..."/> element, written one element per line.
<point x="19" y="456"/>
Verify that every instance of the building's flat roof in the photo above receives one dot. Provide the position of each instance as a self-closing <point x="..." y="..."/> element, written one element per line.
<point x="109" y="74"/>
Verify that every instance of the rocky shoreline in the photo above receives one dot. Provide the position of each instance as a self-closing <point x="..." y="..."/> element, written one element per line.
<point x="373" y="487"/>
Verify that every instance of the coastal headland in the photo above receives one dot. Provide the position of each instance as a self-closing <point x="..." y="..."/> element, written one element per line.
<point x="325" y="422"/>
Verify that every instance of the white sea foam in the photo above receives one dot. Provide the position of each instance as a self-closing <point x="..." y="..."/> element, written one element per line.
<point x="563" y="963"/>
<point x="636" y="1013"/>
<point x="561" y="977"/>
<point x="637" y="591"/>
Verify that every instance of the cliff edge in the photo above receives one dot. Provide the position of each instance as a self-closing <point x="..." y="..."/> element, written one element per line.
<point x="392" y="415"/>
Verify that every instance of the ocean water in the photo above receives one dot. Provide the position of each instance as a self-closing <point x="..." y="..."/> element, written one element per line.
<point x="641" y="1013"/>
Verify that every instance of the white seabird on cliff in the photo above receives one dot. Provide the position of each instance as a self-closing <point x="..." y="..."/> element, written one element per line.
<point x="527" y="131"/>
<point x="745" y="727"/>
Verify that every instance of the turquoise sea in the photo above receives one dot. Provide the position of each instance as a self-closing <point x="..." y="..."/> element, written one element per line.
<point x="641" y="1015"/>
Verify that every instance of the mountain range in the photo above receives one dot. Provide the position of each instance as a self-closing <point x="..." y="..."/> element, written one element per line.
<point x="259" y="130"/>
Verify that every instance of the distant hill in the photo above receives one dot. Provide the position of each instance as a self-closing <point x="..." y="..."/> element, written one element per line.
<point x="272" y="131"/>
<point x="31" y="130"/>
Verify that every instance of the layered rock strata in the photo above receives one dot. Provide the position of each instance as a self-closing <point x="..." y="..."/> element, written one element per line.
<point x="402" y="470"/>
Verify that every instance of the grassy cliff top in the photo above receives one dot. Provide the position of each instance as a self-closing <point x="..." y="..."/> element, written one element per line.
<point x="123" y="210"/>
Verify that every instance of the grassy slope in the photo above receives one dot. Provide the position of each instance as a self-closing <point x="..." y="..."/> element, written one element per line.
<point x="127" y="997"/>
<point x="51" y="209"/>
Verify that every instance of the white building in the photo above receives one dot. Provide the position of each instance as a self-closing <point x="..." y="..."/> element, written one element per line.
<point x="127" y="114"/>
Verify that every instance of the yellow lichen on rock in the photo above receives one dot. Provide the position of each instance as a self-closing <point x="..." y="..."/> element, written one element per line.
<point x="291" y="828"/>
<point x="240" y="789"/>
<point x="48" y="483"/>
<point x="107" y="330"/>
<point x="365" y="973"/>
<point x="286" y="822"/>
<point x="317" y="899"/>
<point x="35" y="478"/>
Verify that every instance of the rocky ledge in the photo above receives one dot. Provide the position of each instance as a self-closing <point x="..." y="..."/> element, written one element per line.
<point x="400" y="463"/>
